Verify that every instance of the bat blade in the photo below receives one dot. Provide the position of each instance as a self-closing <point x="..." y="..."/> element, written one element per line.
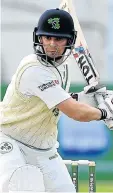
<point x="81" y="52"/>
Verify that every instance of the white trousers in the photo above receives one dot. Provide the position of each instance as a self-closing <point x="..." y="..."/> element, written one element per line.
<point x="26" y="169"/>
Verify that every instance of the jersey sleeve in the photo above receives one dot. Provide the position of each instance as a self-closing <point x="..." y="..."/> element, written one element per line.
<point x="43" y="83"/>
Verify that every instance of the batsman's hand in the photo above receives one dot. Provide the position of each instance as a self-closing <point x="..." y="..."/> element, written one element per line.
<point x="106" y="102"/>
<point x="87" y="95"/>
<point x="103" y="99"/>
<point x="85" y="98"/>
<point x="97" y="96"/>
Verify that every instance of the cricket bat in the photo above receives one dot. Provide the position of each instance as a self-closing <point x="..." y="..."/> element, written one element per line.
<point x="82" y="54"/>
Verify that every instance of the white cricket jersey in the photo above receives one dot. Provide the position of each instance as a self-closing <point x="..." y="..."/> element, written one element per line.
<point x="46" y="83"/>
<point x="29" y="112"/>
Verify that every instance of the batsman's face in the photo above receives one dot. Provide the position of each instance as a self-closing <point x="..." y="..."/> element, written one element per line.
<point x="53" y="46"/>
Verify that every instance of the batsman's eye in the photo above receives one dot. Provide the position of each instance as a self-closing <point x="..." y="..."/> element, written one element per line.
<point x="59" y="39"/>
<point x="47" y="37"/>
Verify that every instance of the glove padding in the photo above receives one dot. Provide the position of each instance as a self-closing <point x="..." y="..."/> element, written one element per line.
<point x="106" y="102"/>
<point x="99" y="97"/>
<point x="90" y="98"/>
<point x="85" y="98"/>
<point x="104" y="99"/>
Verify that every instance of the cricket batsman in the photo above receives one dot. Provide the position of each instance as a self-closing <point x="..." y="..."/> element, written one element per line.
<point x="32" y="105"/>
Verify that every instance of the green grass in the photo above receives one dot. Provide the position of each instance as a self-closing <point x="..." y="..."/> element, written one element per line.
<point x="100" y="187"/>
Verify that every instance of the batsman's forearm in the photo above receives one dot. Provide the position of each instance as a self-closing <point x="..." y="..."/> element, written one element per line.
<point x="85" y="113"/>
<point x="79" y="111"/>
